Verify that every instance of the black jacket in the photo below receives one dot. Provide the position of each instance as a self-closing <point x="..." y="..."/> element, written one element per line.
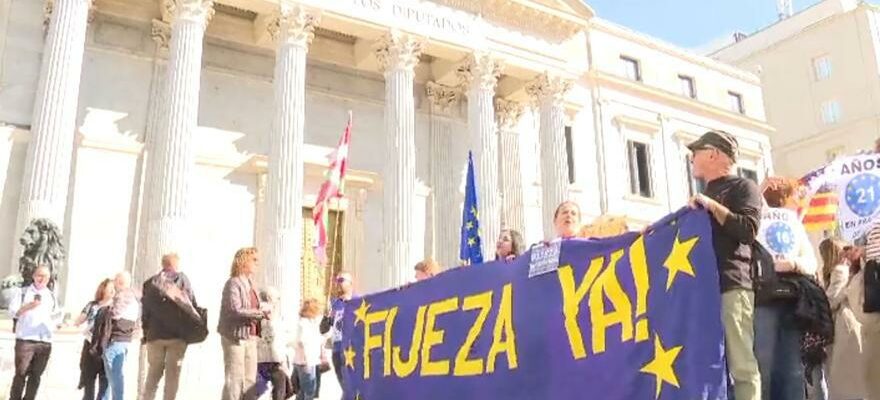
<point x="167" y="313"/>
<point x="813" y="316"/>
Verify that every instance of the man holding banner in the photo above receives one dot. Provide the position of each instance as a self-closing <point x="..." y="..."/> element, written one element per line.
<point x="735" y="205"/>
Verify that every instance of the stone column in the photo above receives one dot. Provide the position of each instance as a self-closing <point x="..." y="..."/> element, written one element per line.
<point x="480" y="75"/>
<point x="508" y="114"/>
<point x="446" y="173"/>
<point x="283" y="223"/>
<point x="549" y="92"/>
<point x="398" y="55"/>
<point x="168" y="222"/>
<point x="161" y="34"/>
<point x="6" y="143"/>
<point x="48" y="164"/>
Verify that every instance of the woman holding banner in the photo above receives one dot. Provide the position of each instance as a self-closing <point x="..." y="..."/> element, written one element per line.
<point x="567" y="220"/>
<point x="509" y="245"/>
<point x="777" y="333"/>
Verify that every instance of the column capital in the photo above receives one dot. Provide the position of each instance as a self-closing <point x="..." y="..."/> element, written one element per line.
<point x="443" y="98"/>
<point x="396" y="50"/>
<point x="480" y="69"/>
<point x="508" y="113"/>
<point x="50" y="6"/>
<point x="199" y="11"/>
<point x="293" y="25"/>
<point x="160" y="31"/>
<point x="548" y="87"/>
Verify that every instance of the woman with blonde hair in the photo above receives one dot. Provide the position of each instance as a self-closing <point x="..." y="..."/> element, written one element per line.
<point x="846" y="374"/>
<point x="307" y="346"/>
<point x="239" y="326"/>
<point x="426" y="269"/>
<point x="510" y="245"/>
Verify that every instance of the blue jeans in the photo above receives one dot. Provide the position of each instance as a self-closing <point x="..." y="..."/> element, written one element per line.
<point x="778" y="348"/>
<point x="307" y="381"/>
<point x="114" y="362"/>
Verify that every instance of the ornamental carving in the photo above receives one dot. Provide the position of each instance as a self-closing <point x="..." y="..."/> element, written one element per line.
<point x="481" y="71"/>
<point x="520" y="17"/>
<point x="161" y="34"/>
<point x="199" y="11"/>
<point x="294" y="25"/>
<point x="443" y="98"/>
<point x="508" y="113"/>
<point x="49" y="6"/>
<point x="396" y="50"/>
<point x="547" y="87"/>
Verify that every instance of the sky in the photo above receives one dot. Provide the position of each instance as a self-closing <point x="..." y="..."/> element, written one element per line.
<point x="699" y="25"/>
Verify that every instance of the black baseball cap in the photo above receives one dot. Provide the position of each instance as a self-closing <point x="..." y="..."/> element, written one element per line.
<point x="721" y="140"/>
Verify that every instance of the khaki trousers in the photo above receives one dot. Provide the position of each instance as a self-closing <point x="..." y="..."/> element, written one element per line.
<point x="164" y="357"/>
<point x="240" y="360"/>
<point x="738" y="315"/>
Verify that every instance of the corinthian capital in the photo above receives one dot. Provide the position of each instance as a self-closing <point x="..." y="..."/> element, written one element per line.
<point x="443" y="98"/>
<point x="480" y="70"/>
<point x="508" y="113"/>
<point x="547" y="87"/>
<point x="397" y="50"/>
<point x="199" y="11"/>
<point x="49" y="7"/>
<point x="294" y="24"/>
<point x="161" y="34"/>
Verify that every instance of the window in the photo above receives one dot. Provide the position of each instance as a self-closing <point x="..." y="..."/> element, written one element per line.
<point x="687" y="86"/>
<point x="694" y="185"/>
<point x="822" y="68"/>
<point x="736" y="102"/>
<point x="831" y="112"/>
<point x="569" y="152"/>
<point x="631" y="68"/>
<point x="748" y="174"/>
<point x="639" y="169"/>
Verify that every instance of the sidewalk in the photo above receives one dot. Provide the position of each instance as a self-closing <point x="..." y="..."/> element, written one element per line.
<point x="201" y="377"/>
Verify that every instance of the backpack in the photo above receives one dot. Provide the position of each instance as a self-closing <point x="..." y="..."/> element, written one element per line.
<point x="769" y="286"/>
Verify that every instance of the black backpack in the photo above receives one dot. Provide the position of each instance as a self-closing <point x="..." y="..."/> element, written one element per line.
<point x="769" y="286"/>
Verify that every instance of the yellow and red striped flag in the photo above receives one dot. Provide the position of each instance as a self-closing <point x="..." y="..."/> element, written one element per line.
<point x="330" y="189"/>
<point x="819" y="200"/>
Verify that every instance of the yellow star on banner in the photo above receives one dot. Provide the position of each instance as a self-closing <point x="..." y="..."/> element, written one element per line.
<point x="471" y="241"/>
<point x="469" y="225"/>
<point x="349" y="357"/>
<point x="678" y="260"/>
<point x="358" y="397"/>
<point x="361" y="313"/>
<point x="662" y="365"/>
<point x="474" y="211"/>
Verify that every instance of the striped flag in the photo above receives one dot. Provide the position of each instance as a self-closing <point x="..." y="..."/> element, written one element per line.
<point x="819" y="200"/>
<point x="330" y="189"/>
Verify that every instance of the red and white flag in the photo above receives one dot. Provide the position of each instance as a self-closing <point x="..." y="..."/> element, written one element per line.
<point x="332" y="188"/>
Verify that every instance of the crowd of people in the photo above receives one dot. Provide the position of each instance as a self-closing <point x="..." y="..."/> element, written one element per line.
<point x="796" y="326"/>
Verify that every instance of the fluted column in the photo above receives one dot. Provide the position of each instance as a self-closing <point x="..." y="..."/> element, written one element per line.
<point x="48" y="163"/>
<point x="549" y="92"/>
<point x="508" y="114"/>
<point x="282" y="258"/>
<point x="161" y="34"/>
<point x="446" y="168"/>
<point x="480" y="75"/>
<point x="398" y="55"/>
<point x="174" y="155"/>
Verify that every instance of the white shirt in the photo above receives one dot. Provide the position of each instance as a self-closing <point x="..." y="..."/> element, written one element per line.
<point x="38" y="323"/>
<point x="309" y="342"/>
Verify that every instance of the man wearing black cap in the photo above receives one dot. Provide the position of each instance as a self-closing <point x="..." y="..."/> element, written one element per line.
<point x="735" y="206"/>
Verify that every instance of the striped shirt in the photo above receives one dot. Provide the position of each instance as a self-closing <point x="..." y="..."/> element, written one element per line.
<point x="872" y="249"/>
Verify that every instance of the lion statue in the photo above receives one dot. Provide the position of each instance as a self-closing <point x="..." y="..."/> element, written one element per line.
<point x="42" y="246"/>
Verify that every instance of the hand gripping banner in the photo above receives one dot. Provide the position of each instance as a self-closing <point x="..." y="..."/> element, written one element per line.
<point x="630" y="317"/>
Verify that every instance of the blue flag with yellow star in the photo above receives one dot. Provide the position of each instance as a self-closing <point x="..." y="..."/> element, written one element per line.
<point x="630" y="317"/>
<point x="470" y="251"/>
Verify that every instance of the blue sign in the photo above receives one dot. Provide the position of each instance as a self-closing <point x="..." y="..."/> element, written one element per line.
<point x="863" y="194"/>
<point x="631" y="317"/>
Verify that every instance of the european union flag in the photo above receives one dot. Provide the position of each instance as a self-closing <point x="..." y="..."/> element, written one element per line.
<point x="470" y="251"/>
